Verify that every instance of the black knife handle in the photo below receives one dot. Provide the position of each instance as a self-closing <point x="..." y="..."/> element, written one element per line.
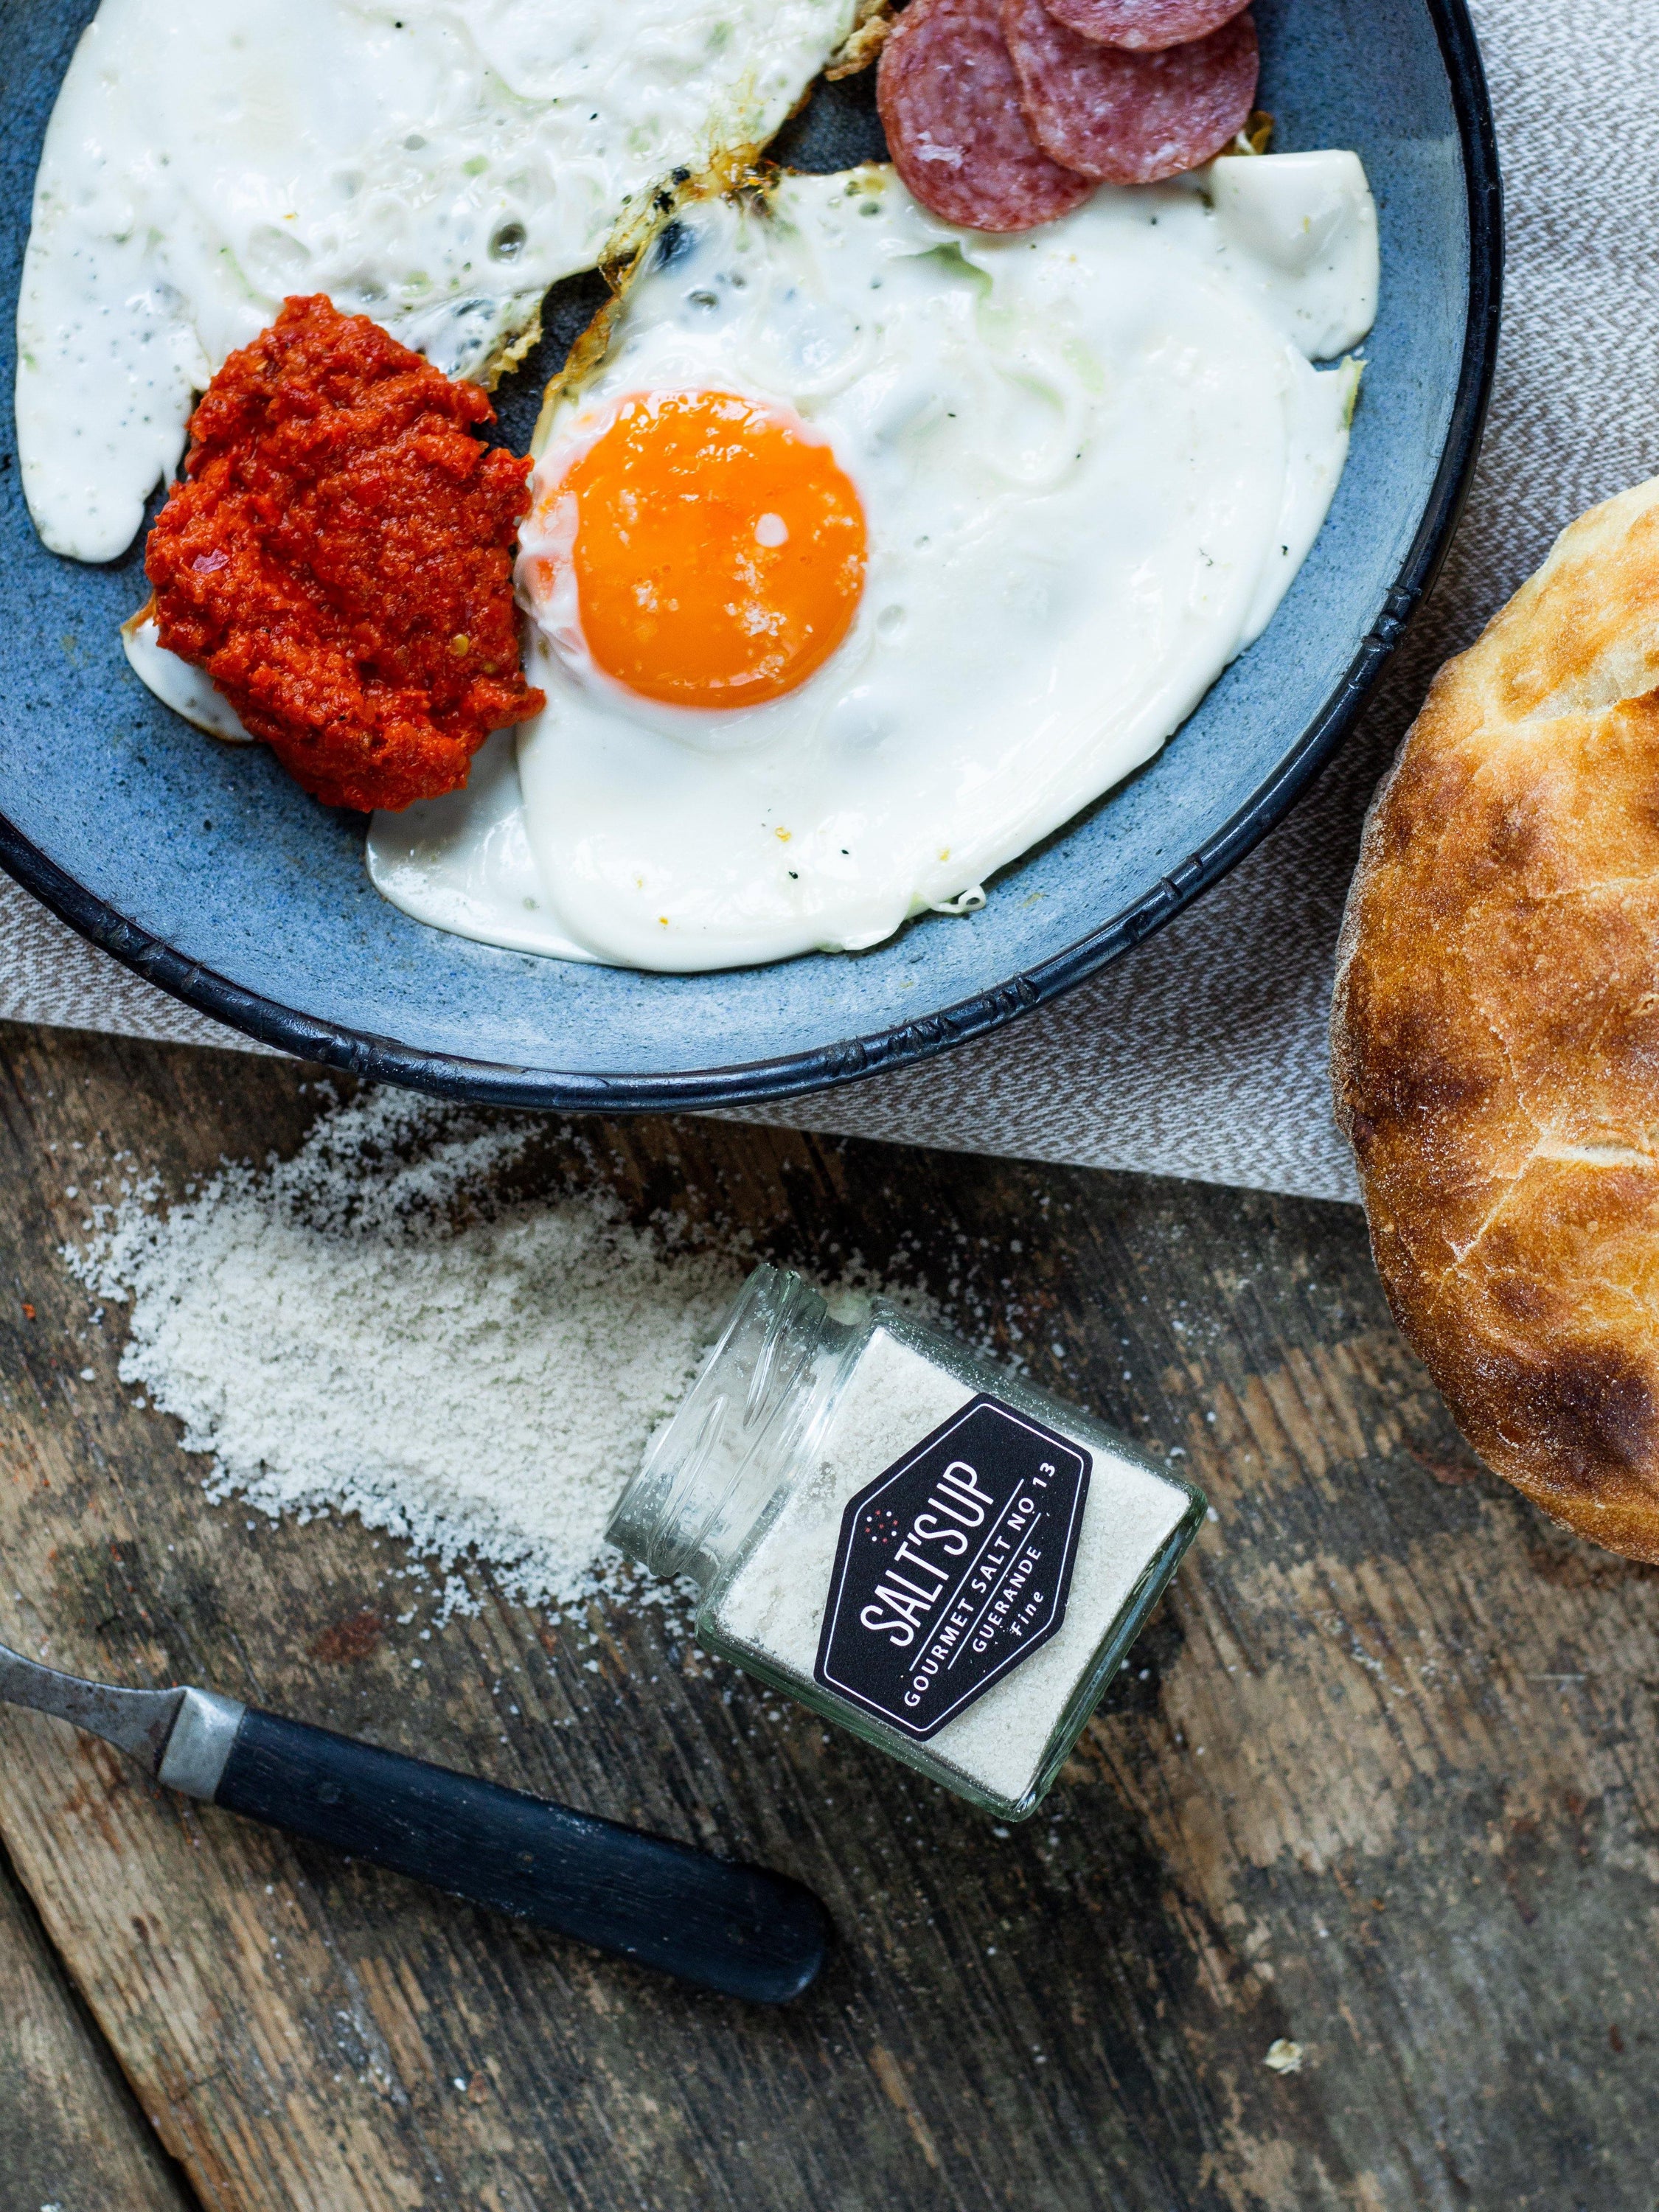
<point x="739" y="1930"/>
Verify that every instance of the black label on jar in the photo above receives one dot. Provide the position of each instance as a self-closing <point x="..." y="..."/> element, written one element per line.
<point x="952" y="1566"/>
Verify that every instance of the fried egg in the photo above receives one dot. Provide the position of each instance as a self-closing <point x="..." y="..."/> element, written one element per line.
<point x="435" y="164"/>
<point x="873" y="551"/>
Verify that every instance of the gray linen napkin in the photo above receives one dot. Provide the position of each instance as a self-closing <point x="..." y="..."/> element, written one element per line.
<point x="1202" y="1053"/>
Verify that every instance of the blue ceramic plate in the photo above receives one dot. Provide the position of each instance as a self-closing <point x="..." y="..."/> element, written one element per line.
<point x="204" y="869"/>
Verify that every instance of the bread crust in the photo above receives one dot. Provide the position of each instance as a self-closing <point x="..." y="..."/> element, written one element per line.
<point x="1495" y="1031"/>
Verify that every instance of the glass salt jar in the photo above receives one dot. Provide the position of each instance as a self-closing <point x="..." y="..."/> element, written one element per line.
<point x="918" y="1545"/>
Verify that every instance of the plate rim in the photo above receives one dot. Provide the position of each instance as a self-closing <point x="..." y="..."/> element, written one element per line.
<point x="382" y="1058"/>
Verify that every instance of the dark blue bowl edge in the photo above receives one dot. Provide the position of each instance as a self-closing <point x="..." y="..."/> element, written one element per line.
<point x="384" y="1060"/>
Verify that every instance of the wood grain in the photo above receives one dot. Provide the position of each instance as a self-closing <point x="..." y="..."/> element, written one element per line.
<point x="71" y="2134"/>
<point x="1380" y="1779"/>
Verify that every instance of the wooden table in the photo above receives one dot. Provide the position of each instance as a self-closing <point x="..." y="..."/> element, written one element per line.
<point x="1382" y="1781"/>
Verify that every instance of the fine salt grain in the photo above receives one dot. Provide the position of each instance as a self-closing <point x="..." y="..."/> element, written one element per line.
<point x="352" y="1329"/>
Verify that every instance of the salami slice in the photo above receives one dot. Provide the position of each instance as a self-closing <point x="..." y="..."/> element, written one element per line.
<point x="1144" y="26"/>
<point x="950" y="104"/>
<point x="1129" y="119"/>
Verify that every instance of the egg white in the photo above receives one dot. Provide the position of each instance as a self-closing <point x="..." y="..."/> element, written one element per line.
<point x="463" y="863"/>
<point x="188" y="690"/>
<point x="435" y="164"/>
<point x="1092" y="457"/>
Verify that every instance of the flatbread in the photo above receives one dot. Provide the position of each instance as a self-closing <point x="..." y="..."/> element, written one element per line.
<point x="1495" y="1036"/>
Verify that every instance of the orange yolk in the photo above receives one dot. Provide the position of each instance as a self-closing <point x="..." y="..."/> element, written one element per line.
<point x="718" y="551"/>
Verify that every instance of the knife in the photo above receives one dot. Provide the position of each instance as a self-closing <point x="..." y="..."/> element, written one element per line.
<point x="741" y="1931"/>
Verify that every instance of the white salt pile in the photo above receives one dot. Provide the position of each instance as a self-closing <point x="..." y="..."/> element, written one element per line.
<point x="331" y="1335"/>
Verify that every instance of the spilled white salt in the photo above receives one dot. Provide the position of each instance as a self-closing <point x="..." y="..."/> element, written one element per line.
<point x="325" y="1329"/>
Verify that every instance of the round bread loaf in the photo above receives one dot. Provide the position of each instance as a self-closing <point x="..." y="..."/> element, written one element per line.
<point x="1495" y="1036"/>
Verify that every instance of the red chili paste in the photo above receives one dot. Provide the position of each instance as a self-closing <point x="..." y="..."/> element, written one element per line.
<point x="339" y="560"/>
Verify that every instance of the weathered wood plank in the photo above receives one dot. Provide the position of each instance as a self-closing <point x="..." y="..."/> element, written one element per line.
<point x="71" y="2134"/>
<point x="1383" y="1779"/>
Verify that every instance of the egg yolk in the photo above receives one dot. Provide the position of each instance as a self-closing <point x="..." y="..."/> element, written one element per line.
<point x="718" y="550"/>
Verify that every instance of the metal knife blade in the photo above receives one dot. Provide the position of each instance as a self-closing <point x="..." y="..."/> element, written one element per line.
<point x="138" y="1722"/>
